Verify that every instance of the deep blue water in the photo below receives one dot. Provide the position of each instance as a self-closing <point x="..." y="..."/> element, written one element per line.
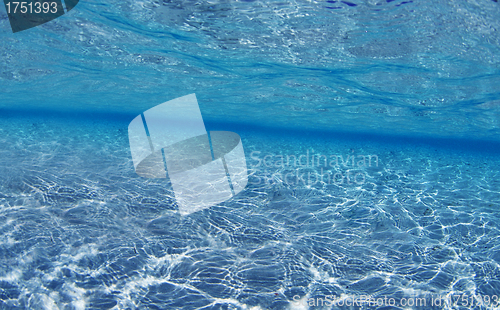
<point x="412" y="85"/>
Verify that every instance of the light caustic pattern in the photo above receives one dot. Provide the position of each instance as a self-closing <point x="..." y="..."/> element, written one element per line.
<point x="87" y="231"/>
<point x="79" y="228"/>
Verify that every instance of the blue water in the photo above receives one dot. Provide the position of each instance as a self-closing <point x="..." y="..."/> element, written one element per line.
<point x="409" y="90"/>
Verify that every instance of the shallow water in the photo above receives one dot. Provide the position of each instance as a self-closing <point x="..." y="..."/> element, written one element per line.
<point x="81" y="230"/>
<point x="400" y="97"/>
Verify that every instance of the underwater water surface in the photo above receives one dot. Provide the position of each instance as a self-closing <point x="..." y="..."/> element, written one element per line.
<point x="371" y="137"/>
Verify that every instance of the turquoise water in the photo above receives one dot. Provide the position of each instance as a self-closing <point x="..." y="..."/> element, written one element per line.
<point x="393" y="108"/>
